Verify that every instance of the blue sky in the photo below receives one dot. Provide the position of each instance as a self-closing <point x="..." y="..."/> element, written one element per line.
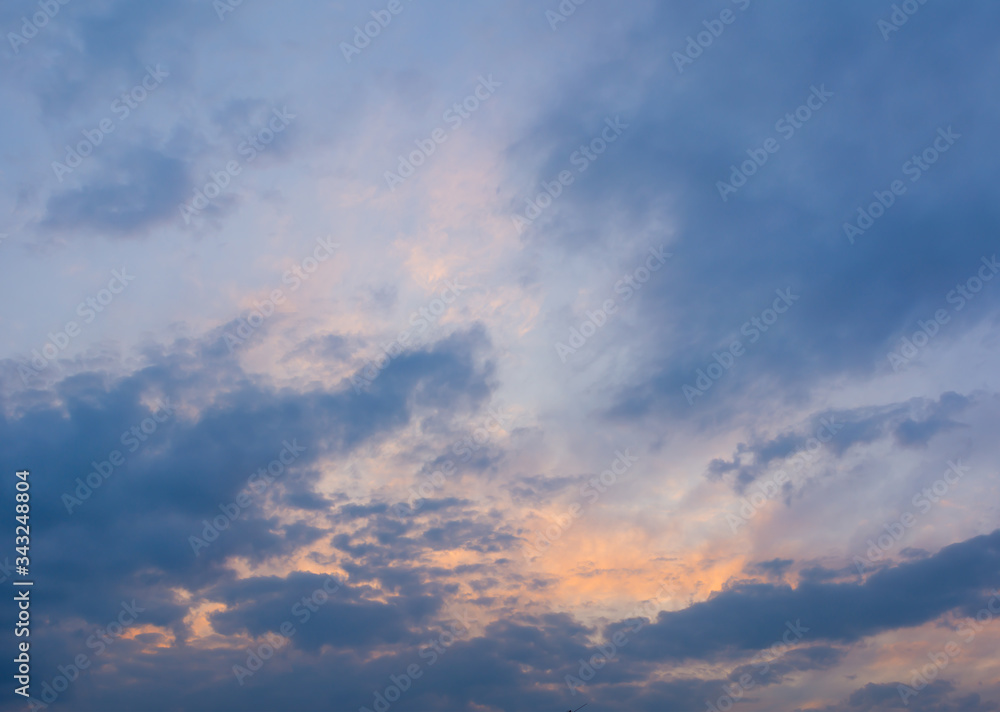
<point x="515" y="355"/>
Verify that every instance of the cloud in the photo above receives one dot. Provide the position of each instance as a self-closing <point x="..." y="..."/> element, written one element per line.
<point x="140" y="189"/>
<point x="912" y="423"/>
<point x="784" y="228"/>
<point x="938" y="696"/>
<point x="753" y="616"/>
<point x="139" y="520"/>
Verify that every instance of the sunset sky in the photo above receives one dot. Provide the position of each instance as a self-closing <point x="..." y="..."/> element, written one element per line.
<point x="502" y="356"/>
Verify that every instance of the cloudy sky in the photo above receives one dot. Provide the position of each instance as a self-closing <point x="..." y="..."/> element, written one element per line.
<point x="503" y="355"/>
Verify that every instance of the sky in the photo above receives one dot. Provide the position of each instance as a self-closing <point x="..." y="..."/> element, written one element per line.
<point x="429" y="355"/>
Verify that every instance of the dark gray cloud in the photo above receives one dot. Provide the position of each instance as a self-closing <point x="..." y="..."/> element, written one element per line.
<point x="101" y="48"/>
<point x="514" y="662"/>
<point x="141" y="189"/>
<point x="912" y="424"/>
<point x="346" y="620"/>
<point x="754" y="616"/>
<point x="774" y="568"/>
<point x="130" y="538"/>
<point x="938" y="696"/>
<point x="784" y="228"/>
